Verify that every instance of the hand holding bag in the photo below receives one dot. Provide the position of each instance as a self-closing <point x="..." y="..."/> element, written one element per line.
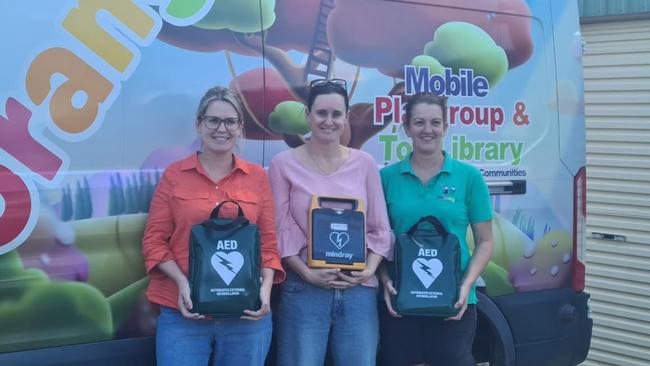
<point x="225" y="265"/>
<point x="426" y="270"/>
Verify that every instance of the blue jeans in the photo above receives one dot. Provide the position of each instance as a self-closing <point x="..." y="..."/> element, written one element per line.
<point x="309" y="316"/>
<point x="235" y="341"/>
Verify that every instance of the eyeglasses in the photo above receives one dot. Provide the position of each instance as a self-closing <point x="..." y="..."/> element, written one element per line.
<point x="213" y="123"/>
<point x="321" y="82"/>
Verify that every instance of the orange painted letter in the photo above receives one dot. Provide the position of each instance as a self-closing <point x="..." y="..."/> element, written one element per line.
<point x="82" y="23"/>
<point x="80" y="78"/>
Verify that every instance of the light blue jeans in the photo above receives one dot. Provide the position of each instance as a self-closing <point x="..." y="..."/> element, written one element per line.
<point x="235" y="341"/>
<point x="309" y="316"/>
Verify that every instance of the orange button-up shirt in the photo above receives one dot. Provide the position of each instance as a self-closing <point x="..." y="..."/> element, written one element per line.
<point x="186" y="196"/>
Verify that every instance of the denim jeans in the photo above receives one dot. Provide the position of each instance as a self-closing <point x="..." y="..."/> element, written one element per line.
<point x="235" y="341"/>
<point x="309" y="317"/>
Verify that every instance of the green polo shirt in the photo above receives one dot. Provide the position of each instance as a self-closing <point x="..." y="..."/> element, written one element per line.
<point x="457" y="196"/>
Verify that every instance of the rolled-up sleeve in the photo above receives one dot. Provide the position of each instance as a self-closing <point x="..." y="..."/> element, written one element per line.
<point x="155" y="243"/>
<point x="290" y="237"/>
<point x="379" y="236"/>
<point x="266" y="224"/>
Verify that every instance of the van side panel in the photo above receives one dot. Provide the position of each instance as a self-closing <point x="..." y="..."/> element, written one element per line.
<point x="88" y="124"/>
<point x="549" y="327"/>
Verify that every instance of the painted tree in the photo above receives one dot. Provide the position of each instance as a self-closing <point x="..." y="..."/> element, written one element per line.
<point x="79" y="202"/>
<point x="67" y="210"/>
<point x="408" y="29"/>
<point x="387" y="37"/>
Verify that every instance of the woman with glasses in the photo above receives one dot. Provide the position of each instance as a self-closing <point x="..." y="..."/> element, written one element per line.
<point x="187" y="193"/>
<point x="318" y="307"/>
<point x="430" y="182"/>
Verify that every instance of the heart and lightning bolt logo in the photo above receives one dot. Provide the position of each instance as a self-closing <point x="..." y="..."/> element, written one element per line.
<point x="427" y="270"/>
<point x="339" y="239"/>
<point x="227" y="265"/>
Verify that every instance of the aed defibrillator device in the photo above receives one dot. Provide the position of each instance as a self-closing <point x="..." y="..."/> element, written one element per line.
<point x="225" y="265"/>
<point x="336" y="233"/>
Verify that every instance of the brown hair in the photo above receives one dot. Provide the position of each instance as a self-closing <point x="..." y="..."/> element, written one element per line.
<point x="327" y="88"/>
<point x="426" y="98"/>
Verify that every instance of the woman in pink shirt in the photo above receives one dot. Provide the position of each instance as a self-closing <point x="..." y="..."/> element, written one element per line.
<point x="318" y="306"/>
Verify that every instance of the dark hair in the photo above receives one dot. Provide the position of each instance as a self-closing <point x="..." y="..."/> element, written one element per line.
<point x="328" y="88"/>
<point x="426" y="98"/>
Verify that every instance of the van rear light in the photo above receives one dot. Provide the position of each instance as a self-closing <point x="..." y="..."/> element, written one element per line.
<point x="579" y="228"/>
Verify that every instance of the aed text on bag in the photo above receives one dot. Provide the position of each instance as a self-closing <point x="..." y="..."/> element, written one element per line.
<point x="227" y="244"/>
<point x="427" y="253"/>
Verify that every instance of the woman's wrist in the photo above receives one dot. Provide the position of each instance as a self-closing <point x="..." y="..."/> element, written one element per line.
<point x="181" y="281"/>
<point x="267" y="277"/>
<point x="295" y="264"/>
<point x="382" y="273"/>
<point x="170" y="269"/>
<point x="383" y="277"/>
<point x="371" y="270"/>
<point x="304" y="273"/>
<point x="466" y="285"/>
<point x="373" y="262"/>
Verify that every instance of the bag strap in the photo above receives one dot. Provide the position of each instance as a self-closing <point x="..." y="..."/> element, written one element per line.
<point x="431" y="220"/>
<point x="215" y="211"/>
<point x="239" y="221"/>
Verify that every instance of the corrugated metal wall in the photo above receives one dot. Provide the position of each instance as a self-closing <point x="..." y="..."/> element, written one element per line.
<point x="591" y="8"/>
<point x="617" y="103"/>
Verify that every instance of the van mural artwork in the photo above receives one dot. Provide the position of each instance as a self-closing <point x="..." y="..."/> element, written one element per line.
<point x="99" y="98"/>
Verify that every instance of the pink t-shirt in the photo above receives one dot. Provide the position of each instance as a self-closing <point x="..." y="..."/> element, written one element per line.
<point x="293" y="186"/>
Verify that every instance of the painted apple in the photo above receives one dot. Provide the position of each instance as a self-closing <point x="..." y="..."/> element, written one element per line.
<point x="259" y="101"/>
<point x="289" y="117"/>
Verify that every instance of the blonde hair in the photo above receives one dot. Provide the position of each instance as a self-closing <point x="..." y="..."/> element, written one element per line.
<point x="223" y="94"/>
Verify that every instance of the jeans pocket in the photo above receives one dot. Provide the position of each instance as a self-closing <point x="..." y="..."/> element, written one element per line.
<point x="293" y="285"/>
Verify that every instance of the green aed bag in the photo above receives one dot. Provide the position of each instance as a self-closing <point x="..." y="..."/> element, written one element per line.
<point x="225" y="265"/>
<point x="426" y="270"/>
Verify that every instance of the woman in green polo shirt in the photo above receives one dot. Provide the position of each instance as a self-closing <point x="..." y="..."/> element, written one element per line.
<point x="431" y="182"/>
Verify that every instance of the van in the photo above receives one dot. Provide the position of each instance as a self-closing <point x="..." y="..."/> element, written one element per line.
<point x="99" y="97"/>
